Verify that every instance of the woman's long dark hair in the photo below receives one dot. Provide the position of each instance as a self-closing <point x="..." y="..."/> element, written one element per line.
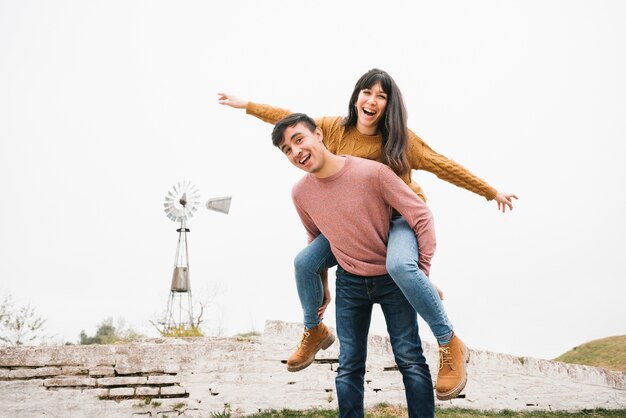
<point x="392" y="126"/>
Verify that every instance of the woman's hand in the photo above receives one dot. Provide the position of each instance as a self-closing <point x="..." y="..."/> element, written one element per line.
<point x="504" y="200"/>
<point x="232" y="101"/>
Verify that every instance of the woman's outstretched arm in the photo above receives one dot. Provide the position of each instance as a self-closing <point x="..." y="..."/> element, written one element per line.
<point x="266" y="113"/>
<point x="422" y="157"/>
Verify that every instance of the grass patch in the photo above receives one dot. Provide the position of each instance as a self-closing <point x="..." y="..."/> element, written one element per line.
<point x="223" y="414"/>
<point x="391" y="411"/>
<point x="182" y="331"/>
<point x="249" y="334"/>
<point x="609" y="353"/>
<point x="466" y="413"/>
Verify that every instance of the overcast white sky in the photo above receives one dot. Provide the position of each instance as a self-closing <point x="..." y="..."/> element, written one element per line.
<point x="104" y="105"/>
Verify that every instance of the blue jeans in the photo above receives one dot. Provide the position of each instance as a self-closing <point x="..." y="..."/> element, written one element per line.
<point x="402" y="266"/>
<point x="355" y="297"/>
<point x="308" y="265"/>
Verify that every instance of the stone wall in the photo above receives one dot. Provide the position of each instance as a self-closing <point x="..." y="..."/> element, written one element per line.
<point x="198" y="376"/>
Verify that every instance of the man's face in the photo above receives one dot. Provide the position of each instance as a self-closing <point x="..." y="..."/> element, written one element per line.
<point x="303" y="148"/>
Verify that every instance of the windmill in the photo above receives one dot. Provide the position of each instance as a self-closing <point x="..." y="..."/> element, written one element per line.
<point x="181" y="202"/>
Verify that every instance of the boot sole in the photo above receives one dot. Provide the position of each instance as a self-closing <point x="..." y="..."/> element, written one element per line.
<point x="451" y="394"/>
<point x="323" y="345"/>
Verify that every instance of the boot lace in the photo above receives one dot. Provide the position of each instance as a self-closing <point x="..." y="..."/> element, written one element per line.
<point x="303" y="341"/>
<point x="445" y="357"/>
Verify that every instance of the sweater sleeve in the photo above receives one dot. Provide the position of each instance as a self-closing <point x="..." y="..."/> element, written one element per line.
<point x="311" y="229"/>
<point x="270" y="114"/>
<point x="266" y="113"/>
<point x="330" y="125"/>
<point x="332" y="129"/>
<point x="422" y="157"/>
<point x="400" y="197"/>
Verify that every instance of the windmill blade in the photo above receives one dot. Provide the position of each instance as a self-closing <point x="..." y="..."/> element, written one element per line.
<point x="193" y="199"/>
<point x="193" y="196"/>
<point x="219" y="204"/>
<point x="189" y="194"/>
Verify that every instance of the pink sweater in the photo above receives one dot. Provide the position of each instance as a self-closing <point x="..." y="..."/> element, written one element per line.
<point x="353" y="209"/>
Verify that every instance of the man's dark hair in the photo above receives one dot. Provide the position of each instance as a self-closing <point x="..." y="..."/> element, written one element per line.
<point x="289" y="121"/>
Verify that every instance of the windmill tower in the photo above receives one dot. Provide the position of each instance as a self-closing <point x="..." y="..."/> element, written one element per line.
<point x="181" y="202"/>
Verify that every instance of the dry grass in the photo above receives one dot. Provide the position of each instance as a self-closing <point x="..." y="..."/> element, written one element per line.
<point x="609" y="353"/>
<point x="391" y="411"/>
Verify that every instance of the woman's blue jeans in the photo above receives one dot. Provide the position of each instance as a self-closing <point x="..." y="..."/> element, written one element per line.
<point x="355" y="297"/>
<point x="402" y="266"/>
<point x="308" y="265"/>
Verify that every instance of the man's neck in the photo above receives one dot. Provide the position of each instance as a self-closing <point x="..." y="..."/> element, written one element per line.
<point x="332" y="165"/>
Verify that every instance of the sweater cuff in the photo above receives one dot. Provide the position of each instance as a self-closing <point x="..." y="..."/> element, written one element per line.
<point x="252" y="108"/>
<point x="492" y="194"/>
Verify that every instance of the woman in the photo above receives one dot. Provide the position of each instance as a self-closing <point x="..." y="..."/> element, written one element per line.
<point x="375" y="128"/>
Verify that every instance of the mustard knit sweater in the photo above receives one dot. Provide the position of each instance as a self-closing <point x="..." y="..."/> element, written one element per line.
<point x="347" y="140"/>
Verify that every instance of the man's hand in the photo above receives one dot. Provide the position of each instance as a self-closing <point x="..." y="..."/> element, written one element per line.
<point x="326" y="301"/>
<point x="504" y="200"/>
<point x="439" y="291"/>
<point x="232" y="101"/>
<point x="322" y="309"/>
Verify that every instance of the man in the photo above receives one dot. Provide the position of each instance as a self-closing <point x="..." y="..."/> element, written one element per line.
<point x="350" y="201"/>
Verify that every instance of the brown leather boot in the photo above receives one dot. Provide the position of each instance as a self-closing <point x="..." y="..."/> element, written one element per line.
<point x="313" y="339"/>
<point x="452" y="375"/>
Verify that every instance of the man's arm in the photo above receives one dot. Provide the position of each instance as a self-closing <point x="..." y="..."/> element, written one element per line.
<point x="312" y="232"/>
<point x="311" y="229"/>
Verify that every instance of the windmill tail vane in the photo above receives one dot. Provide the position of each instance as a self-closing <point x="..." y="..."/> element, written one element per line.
<point x="219" y="204"/>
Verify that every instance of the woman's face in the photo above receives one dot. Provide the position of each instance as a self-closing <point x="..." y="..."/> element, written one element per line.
<point x="370" y="107"/>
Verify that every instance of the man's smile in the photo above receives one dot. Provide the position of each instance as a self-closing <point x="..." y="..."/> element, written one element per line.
<point x="304" y="159"/>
